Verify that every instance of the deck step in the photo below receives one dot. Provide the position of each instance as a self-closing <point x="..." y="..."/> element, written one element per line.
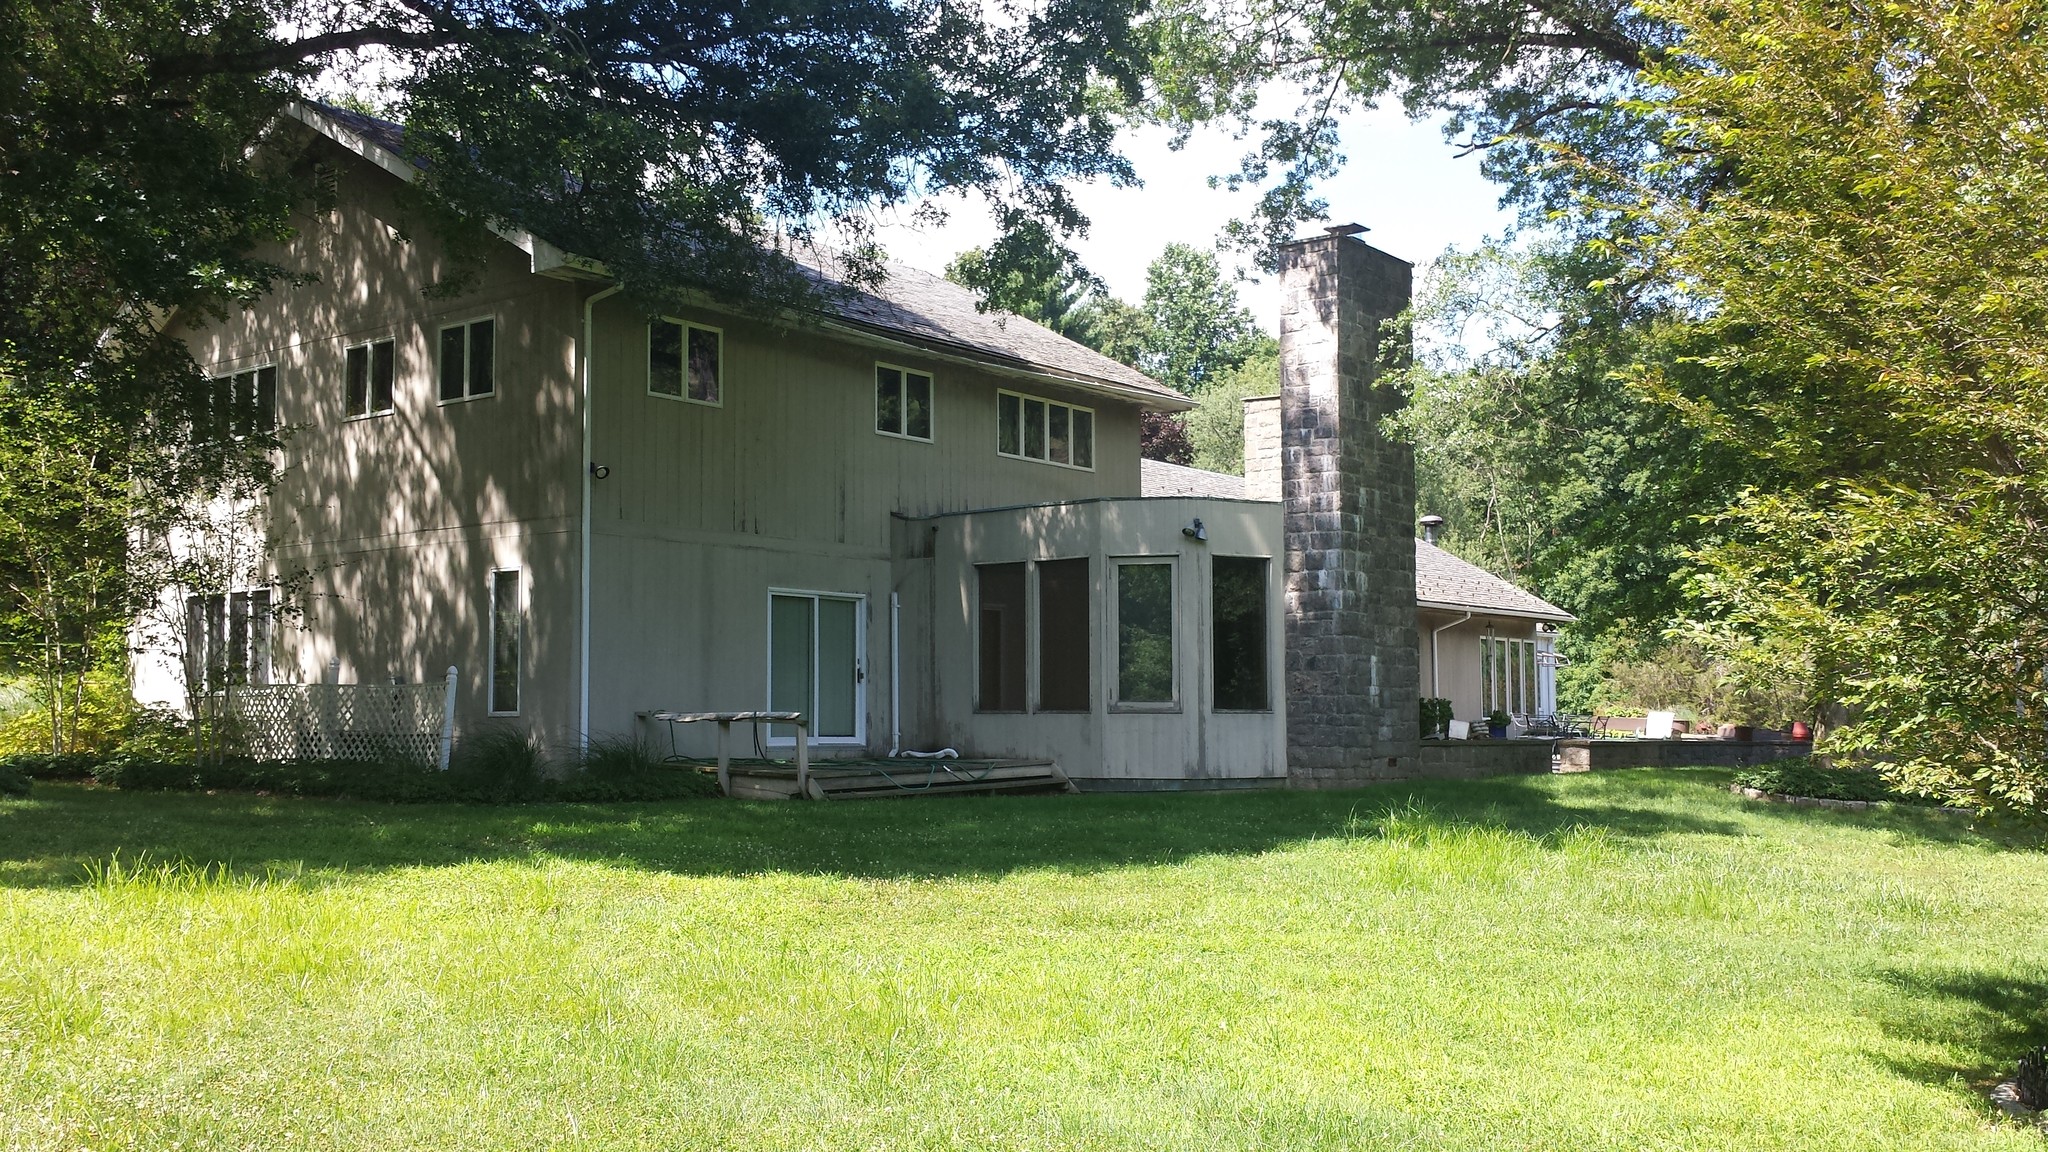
<point x="869" y="780"/>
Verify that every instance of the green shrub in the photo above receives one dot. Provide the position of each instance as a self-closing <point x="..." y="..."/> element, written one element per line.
<point x="499" y="765"/>
<point x="12" y="782"/>
<point x="617" y="768"/>
<point x="1804" y="776"/>
<point x="1436" y="716"/>
<point x="51" y="765"/>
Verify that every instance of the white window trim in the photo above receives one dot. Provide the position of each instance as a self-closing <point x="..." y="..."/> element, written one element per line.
<point x="1094" y="418"/>
<point x="1030" y="610"/>
<point x="374" y="413"/>
<point x="859" y="738"/>
<point x="227" y="379"/>
<point x="248" y="653"/>
<point x="932" y="403"/>
<point x="491" y="643"/>
<point x="686" y="398"/>
<point x="1114" y="639"/>
<point x="465" y="398"/>
<point x="1275" y="653"/>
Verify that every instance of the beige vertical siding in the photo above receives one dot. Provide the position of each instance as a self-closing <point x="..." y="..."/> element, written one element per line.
<point x="400" y="518"/>
<point x="786" y="484"/>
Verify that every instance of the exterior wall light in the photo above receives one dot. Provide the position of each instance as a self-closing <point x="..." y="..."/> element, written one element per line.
<point x="1194" y="530"/>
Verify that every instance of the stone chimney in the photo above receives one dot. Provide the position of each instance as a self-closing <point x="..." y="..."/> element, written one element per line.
<point x="1262" y="447"/>
<point x="1348" y="510"/>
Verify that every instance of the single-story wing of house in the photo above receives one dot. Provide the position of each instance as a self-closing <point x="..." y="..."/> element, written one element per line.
<point x="1485" y="643"/>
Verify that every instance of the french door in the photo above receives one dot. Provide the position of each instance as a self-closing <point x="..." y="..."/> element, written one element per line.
<point x="815" y="665"/>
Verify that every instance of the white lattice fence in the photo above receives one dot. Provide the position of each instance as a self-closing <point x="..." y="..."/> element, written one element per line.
<point x="339" y="721"/>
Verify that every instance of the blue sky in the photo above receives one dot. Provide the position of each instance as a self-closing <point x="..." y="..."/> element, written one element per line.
<point x="1401" y="180"/>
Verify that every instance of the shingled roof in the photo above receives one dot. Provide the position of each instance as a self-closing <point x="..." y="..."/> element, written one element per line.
<point x="1158" y="478"/>
<point x="1444" y="581"/>
<point x="1441" y="579"/>
<point x="910" y="304"/>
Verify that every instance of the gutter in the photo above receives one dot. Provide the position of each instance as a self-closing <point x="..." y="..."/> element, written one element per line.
<point x="583" y="567"/>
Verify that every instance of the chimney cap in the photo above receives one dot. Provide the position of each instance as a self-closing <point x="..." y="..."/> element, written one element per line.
<point x="1346" y="229"/>
<point x="1432" y="521"/>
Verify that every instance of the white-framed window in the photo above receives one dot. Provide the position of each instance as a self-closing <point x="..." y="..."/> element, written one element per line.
<point x="1057" y="614"/>
<point x="903" y="402"/>
<point x="508" y="618"/>
<point x="243" y="403"/>
<point x="1238" y="649"/>
<point x="1147" y="670"/>
<point x="816" y="666"/>
<point x="686" y="361"/>
<point x="468" y="355"/>
<point x="1507" y="675"/>
<point x="227" y="639"/>
<point x="1049" y="431"/>
<point x="370" y="373"/>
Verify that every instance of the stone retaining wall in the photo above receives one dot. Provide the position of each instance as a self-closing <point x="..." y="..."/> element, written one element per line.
<point x="1472" y="759"/>
<point x="1592" y="755"/>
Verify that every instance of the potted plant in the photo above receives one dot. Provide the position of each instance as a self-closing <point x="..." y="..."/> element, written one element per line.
<point x="1497" y="723"/>
<point x="1436" y="717"/>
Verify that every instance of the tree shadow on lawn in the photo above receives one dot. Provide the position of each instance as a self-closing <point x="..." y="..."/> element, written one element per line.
<point x="1972" y="1025"/>
<point x="49" y="839"/>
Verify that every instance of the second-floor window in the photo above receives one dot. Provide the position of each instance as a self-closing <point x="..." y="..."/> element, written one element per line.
<point x="684" y="361"/>
<point x="903" y="402"/>
<point x="371" y="369"/>
<point x="245" y="403"/>
<point x="1030" y="428"/>
<point x="469" y="360"/>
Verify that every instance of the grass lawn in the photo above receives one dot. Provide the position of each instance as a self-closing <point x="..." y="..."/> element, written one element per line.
<point x="1630" y="960"/>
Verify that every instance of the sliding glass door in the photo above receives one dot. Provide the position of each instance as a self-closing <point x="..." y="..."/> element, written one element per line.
<point x="815" y="666"/>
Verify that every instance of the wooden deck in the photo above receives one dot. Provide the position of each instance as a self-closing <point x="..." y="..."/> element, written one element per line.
<point x="882" y="779"/>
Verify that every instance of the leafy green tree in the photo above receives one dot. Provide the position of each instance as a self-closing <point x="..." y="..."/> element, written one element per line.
<point x="1198" y="328"/>
<point x="1216" y="428"/>
<point x="1037" y="278"/>
<point x="1545" y="91"/>
<point x="1547" y="467"/>
<point x="1870" y="272"/>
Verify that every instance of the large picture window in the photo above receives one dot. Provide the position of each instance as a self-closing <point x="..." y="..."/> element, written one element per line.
<point x="685" y="362"/>
<point x="469" y="360"/>
<point x="506" y="618"/>
<point x="1144" y="632"/>
<point x="1031" y="428"/>
<point x="1237" y="615"/>
<point x="1000" y="637"/>
<point x="1063" y="635"/>
<point x="370" y="374"/>
<point x="1507" y="669"/>
<point x="903" y="402"/>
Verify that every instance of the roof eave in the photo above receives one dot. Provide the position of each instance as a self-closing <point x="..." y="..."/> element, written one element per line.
<point x="1555" y="615"/>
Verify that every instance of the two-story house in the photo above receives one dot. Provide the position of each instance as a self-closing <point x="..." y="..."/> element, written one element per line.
<point x="920" y="524"/>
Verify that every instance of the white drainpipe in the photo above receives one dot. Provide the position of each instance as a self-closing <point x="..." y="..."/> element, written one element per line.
<point x="1435" y="672"/>
<point x="583" y="630"/>
<point x="895" y="674"/>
